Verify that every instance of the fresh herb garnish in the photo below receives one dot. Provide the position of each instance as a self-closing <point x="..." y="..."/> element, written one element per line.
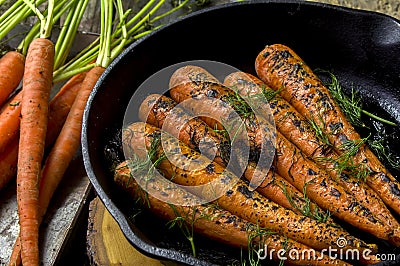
<point x="185" y="220"/>
<point x="306" y="210"/>
<point x="320" y="129"/>
<point x="350" y="105"/>
<point x="384" y="153"/>
<point x="256" y="237"/>
<point x="346" y="163"/>
<point x="269" y="93"/>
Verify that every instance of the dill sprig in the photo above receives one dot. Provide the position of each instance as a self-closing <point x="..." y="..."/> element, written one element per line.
<point x="144" y="168"/>
<point x="147" y="166"/>
<point x="351" y="147"/>
<point x="256" y="237"/>
<point x="269" y="93"/>
<point x="320" y="129"/>
<point x="185" y="221"/>
<point x="384" y="153"/>
<point x="350" y="105"/>
<point x="286" y="248"/>
<point x="239" y="104"/>
<point x="306" y="210"/>
<point x="346" y="163"/>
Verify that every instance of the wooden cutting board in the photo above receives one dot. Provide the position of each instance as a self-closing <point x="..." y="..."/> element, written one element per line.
<point x="106" y="244"/>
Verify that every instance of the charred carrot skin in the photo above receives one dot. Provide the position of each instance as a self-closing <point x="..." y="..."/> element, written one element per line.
<point x="238" y="200"/>
<point x="163" y="112"/>
<point x="213" y="222"/>
<point x="298" y="130"/>
<point x="342" y="204"/>
<point x="156" y="109"/>
<point x="215" y="104"/>
<point x="280" y="67"/>
<point x="11" y="71"/>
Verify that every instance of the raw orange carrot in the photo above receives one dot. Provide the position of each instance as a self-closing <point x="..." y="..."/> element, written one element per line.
<point x="60" y="106"/>
<point x="67" y="142"/>
<point x="8" y="163"/>
<point x="37" y="83"/>
<point x="9" y="120"/>
<point x="59" y="109"/>
<point x="11" y="72"/>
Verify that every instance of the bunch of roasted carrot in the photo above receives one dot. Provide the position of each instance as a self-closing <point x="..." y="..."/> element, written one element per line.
<point x="321" y="167"/>
<point x="31" y="122"/>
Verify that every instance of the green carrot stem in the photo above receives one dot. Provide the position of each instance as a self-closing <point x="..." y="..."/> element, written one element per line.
<point x="83" y="58"/>
<point x="69" y="74"/>
<point x="146" y="18"/>
<point x="139" y="14"/>
<point x="103" y="58"/>
<point x="14" y="19"/>
<point x="65" y="41"/>
<point x="118" y="49"/>
<point x="48" y="24"/>
<point x="80" y="62"/>
<point x="59" y="9"/>
<point x="170" y="11"/>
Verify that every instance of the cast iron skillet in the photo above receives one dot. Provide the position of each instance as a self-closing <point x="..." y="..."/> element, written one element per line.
<point x="361" y="48"/>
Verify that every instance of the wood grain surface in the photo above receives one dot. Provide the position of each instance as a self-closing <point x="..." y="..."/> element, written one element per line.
<point x="106" y="244"/>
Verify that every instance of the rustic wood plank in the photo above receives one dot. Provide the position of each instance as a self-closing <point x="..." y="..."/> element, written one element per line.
<point x="106" y="244"/>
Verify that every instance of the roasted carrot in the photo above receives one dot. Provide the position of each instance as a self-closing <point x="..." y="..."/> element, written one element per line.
<point x="224" y="111"/>
<point x="163" y="112"/>
<point x="9" y="120"/>
<point x="296" y="128"/>
<point x="59" y="112"/>
<point x="239" y="200"/>
<point x="280" y="67"/>
<point x="214" y="222"/>
<point x="291" y="164"/>
<point x="37" y="83"/>
<point x="11" y="72"/>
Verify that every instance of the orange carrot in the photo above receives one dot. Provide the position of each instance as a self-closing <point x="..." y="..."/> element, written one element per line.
<point x="60" y="106"/>
<point x="11" y="72"/>
<point x="63" y="151"/>
<point x="67" y="142"/>
<point x="9" y="120"/>
<point x="59" y="109"/>
<point x="37" y="83"/>
<point x="8" y="162"/>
